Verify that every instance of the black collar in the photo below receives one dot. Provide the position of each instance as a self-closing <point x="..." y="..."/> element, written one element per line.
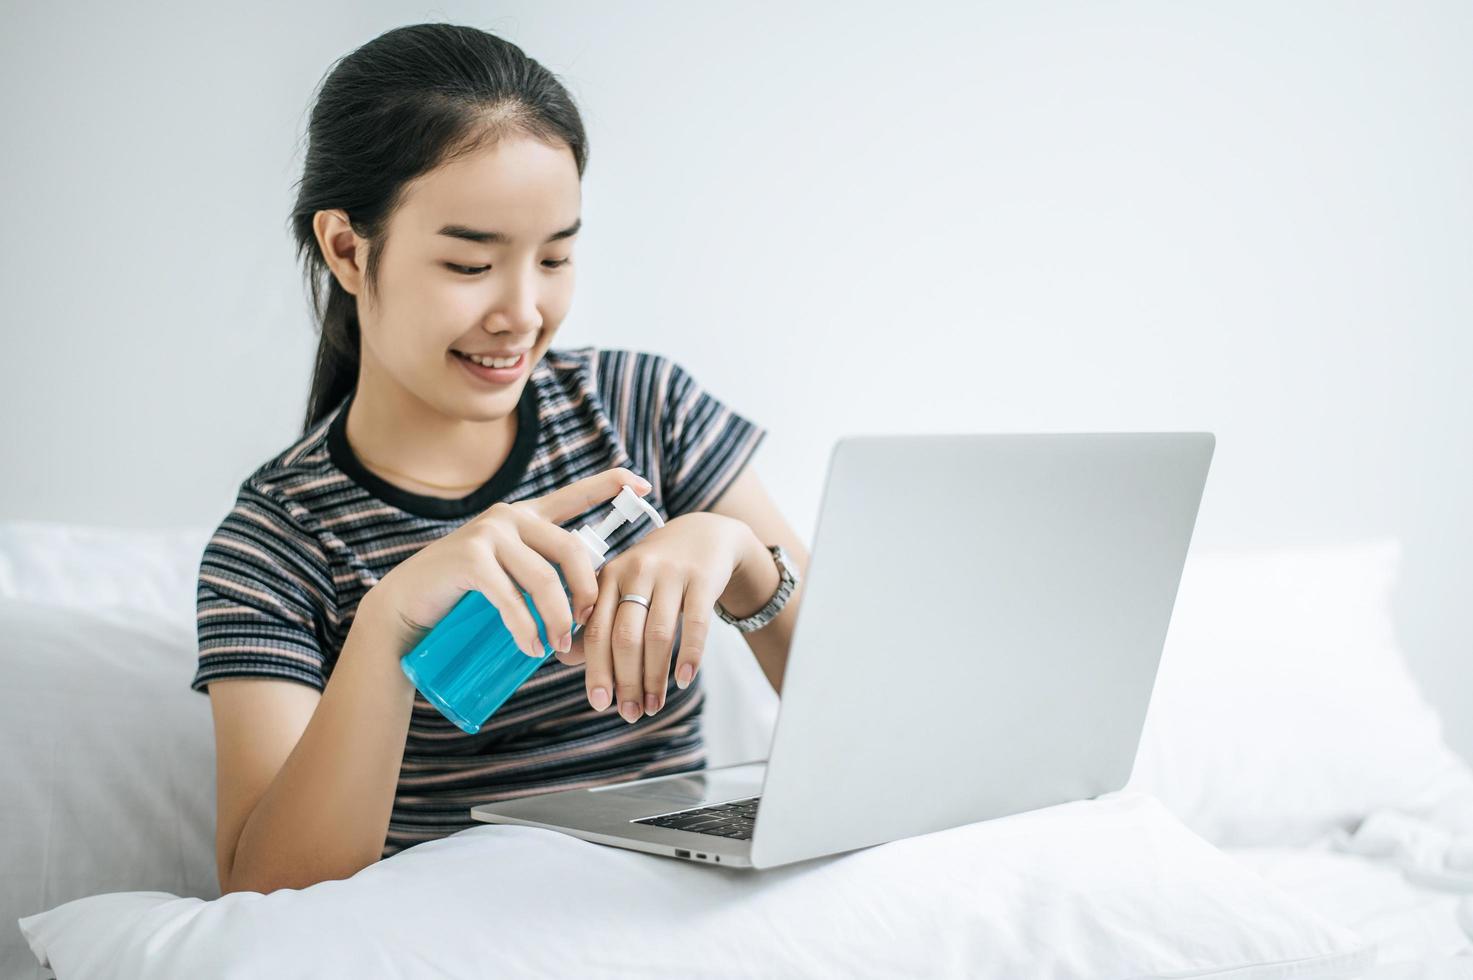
<point x="502" y="482"/>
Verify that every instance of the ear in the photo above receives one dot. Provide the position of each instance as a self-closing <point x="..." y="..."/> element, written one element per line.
<point x="345" y="253"/>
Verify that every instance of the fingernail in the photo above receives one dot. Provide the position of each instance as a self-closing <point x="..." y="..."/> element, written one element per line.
<point x="651" y="704"/>
<point x="566" y="643"/>
<point x="599" y="698"/>
<point x="683" y="675"/>
<point x="583" y="615"/>
<point x="629" y="711"/>
<point x="535" y="649"/>
<point x="646" y="484"/>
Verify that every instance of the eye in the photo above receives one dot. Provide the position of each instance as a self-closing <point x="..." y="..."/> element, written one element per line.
<point x="476" y="270"/>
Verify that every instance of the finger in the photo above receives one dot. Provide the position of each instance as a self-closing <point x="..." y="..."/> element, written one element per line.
<point x="628" y="642"/>
<point x="659" y="638"/>
<point x="698" y="607"/>
<point x="533" y="575"/>
<point x="562" y="547"/>
<point x="575" y="654"/>
<point x="583" y="495"/>
<point x="598" y="674"/>
<point x="491" y="580"/>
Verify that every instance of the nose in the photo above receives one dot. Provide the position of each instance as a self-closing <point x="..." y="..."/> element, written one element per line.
<point x="516" y="317"/>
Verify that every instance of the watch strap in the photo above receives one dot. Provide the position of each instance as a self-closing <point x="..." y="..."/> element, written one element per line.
<point x="787" y="584"/>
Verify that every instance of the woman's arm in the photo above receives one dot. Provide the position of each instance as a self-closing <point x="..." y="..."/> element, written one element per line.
<point x="306" y="781"/>
<point x="757" y="578"/>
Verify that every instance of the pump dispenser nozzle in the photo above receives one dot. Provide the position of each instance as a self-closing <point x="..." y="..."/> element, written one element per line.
<point x="627" y="506"/>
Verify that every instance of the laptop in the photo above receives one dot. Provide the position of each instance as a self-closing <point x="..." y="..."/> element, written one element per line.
<point x="981" y="623"/>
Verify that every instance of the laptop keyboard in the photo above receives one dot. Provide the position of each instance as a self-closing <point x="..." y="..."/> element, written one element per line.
<point x="734" y="819"/>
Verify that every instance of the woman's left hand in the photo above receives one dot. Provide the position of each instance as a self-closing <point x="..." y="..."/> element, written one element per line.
<point x="683" y="568"/>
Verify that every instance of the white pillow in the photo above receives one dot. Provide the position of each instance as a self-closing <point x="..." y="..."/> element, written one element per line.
<point x="1109" y="887"/>
<point x="149" y="569"/>
<point x="1283" y="709"/>
<point x="109" y="767"/>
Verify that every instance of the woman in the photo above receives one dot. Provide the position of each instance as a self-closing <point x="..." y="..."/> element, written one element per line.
<point x="449" y="447"/>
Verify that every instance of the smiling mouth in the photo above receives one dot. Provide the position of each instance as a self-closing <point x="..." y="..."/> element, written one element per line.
<point x="517" y="363"/>
<point x="493" y="375"/>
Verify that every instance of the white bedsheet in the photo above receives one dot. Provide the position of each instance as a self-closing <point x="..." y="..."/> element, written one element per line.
<point x="1419" y="931"/>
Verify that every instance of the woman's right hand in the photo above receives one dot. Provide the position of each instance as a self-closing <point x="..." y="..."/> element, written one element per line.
<point x="508" y="541"/>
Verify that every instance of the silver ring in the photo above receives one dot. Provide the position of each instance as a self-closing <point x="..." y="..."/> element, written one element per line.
<point x="631" y="597"/>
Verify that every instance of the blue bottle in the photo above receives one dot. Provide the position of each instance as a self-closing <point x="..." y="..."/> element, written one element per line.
<point x="469" y="664"/>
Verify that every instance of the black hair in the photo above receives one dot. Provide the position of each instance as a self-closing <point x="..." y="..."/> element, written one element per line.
<point x="409" y="100"/>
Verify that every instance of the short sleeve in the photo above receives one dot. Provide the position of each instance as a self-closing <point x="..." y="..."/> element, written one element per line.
<point x="259" y="606"/>
<point x="703" y="443"/>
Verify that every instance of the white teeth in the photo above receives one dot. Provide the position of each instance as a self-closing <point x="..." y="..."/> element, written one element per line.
<point x="493" y="362"/>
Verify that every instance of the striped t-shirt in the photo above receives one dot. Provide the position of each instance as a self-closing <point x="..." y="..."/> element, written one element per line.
<point x="312" y="530"/>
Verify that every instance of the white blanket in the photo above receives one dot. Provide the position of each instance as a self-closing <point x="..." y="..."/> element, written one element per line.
<point x="1426" y="853"/>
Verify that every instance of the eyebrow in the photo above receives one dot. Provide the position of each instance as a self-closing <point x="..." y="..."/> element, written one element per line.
<point x="501" y="238"/>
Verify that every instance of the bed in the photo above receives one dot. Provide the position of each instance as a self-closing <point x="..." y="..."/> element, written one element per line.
<point x="1294" y="812"/>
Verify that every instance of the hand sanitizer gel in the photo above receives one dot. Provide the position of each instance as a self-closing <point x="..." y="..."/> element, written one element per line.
<point x="469" y="664"/>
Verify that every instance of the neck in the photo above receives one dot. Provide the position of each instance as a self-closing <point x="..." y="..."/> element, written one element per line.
<point x="391" y="429"/>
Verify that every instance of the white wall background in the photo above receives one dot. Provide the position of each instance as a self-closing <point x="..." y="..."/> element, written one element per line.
<point x="1253" y="218"/>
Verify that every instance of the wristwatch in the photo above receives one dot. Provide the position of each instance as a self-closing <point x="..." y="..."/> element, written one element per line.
<point x="790" y="577"/>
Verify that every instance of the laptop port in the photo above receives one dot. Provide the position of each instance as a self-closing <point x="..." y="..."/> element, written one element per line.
<point x="681" y="854"/>
<point x="700" y="855"/>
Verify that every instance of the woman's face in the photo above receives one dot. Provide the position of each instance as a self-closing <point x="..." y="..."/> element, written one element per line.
<point x="477" y="260"/>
